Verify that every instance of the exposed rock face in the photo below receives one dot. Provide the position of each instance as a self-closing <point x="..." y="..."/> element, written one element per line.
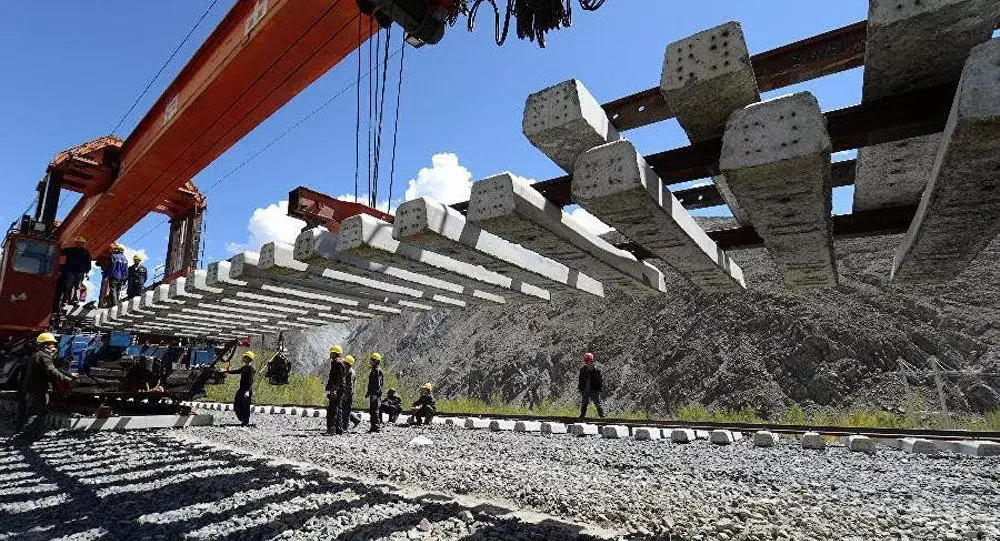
<point x="767" y="348"/>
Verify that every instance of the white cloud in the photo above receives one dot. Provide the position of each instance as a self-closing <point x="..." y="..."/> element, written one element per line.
<point x="269" y="224"/>
<point x="589" y="221"/>
<point x="446" y="180"/>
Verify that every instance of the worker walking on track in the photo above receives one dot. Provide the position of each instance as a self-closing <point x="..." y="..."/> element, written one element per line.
<point x="33" y="397"/>
<point x="334" y="389"/>
<point x="374" y="391"/>
<point x="244" y="394"/>
<point x="591" y="385"/>
<point x="347" y="417"/>
<point x="137" y="275"/>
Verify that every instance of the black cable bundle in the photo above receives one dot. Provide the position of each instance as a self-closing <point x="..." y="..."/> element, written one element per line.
<point x="534" y="17"/>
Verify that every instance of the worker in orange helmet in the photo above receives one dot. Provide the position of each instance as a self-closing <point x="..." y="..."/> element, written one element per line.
<point x="591" y="385"/>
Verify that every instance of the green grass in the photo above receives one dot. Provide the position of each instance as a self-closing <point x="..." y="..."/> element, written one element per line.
<point x="309" y="390"/>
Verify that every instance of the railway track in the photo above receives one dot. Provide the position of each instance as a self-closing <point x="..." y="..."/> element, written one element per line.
<point x="938" y="434"/>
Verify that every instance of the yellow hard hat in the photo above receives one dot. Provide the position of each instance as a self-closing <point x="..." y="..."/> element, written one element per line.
<point x="81" y="239"/>
<point x="45" y="338"/>
<point x="375" y="355"/>
<point x="137" y="257"/>
<point x="252" y="355"/>
<point x="427" y="386"/>
<point x="337" y="349"/>
<point x="349" y="359"/>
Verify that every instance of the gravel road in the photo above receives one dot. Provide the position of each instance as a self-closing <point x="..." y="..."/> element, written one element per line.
<point x="659" y="489"/>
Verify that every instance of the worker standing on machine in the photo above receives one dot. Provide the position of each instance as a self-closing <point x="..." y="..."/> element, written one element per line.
<point x="591" y="385"/>
<point x="115" y="273"/>
<point x="33" y="397"/>
<point x="374" y="392"/>
<point x="137" y="275"/>
<point x="71" y="274"/>
<point x="334" y="388"/>
<point x="348" y="417"/>
<point x="244" y="393"/>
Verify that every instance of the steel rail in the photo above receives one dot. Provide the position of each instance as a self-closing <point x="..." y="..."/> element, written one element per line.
<point x="826" y="430"/>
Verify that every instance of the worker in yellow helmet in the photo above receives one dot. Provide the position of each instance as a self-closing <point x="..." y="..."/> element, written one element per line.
<point x="374" y="391"/>
<point x="40" y="373"/>
<point x="425" y="407"/>
<point x="335" y="390"/>
<point x="348" y="419"/>
<point x="137" y="275"/>
<point x="243" y="400"/>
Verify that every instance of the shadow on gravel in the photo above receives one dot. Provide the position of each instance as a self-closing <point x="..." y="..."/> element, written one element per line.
<point x="261" y="501"/>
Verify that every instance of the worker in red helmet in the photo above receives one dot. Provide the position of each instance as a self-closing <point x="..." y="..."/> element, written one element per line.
<point x="591" y="385"/>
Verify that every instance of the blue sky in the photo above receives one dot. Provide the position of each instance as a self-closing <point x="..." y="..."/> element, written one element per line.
<point x="72" y="68"/>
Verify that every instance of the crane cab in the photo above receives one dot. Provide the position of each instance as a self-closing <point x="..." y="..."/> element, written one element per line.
<point x="27" y="279"/>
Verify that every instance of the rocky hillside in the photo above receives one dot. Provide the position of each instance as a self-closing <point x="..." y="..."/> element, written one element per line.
<point x="767" y="348"/>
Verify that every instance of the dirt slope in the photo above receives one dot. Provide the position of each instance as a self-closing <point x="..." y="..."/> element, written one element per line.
<point x="767" y="348"/>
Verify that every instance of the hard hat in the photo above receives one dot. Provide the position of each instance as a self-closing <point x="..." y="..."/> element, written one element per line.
<point x="349" y="359"/>
<point x="375" y="355"/>
<point x="46" y="338"/>
<point x="252" y="355"/>
<point x="137" y="257"/>
<point x="427" y="386"/>
<point x="588" y="356"/>
<point x="337" y="349"/>
<point x="81" y="239"/>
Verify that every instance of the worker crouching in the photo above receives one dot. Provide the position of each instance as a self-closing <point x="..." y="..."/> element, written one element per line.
<point x="425" y="407"/>
<point x="392" y="405"/>
<point x="244" y="394"/>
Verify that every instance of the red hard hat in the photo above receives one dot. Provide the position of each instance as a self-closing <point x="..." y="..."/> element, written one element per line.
<point x="588" y="356"/>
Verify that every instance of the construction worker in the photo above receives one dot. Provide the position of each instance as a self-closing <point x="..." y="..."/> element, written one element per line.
<point x="244" y="393"/>
<point x="334" y="389"/>
<point x="348" y="417"/>
<point x="115" y="273"/>
<point x="425" y="407"/>
<point x="392" y="405"/>
<point x="590" y="386"/>
<point x="374" y="392"/>
<point x="71" y="273"/>
<point x="137" y="275"/>
<point x="33" y="397"/>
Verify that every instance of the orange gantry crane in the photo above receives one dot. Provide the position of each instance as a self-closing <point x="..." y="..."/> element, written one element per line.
<point x="260" y="56"/>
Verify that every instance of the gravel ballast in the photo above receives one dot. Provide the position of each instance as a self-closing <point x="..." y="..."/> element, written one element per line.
<point x="284" y="479"/>
<point x="165" y="485"/>
<point x="657" y="489"/>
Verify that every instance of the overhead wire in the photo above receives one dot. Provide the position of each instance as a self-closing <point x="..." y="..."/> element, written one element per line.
<point x="395" y="127"/>
<point x="381" y="113"/>
<point x="357" y="118"/>
<point x="159" y="72"/>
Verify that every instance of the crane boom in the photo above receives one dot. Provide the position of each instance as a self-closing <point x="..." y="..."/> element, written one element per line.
<point x="260" y="56"/>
